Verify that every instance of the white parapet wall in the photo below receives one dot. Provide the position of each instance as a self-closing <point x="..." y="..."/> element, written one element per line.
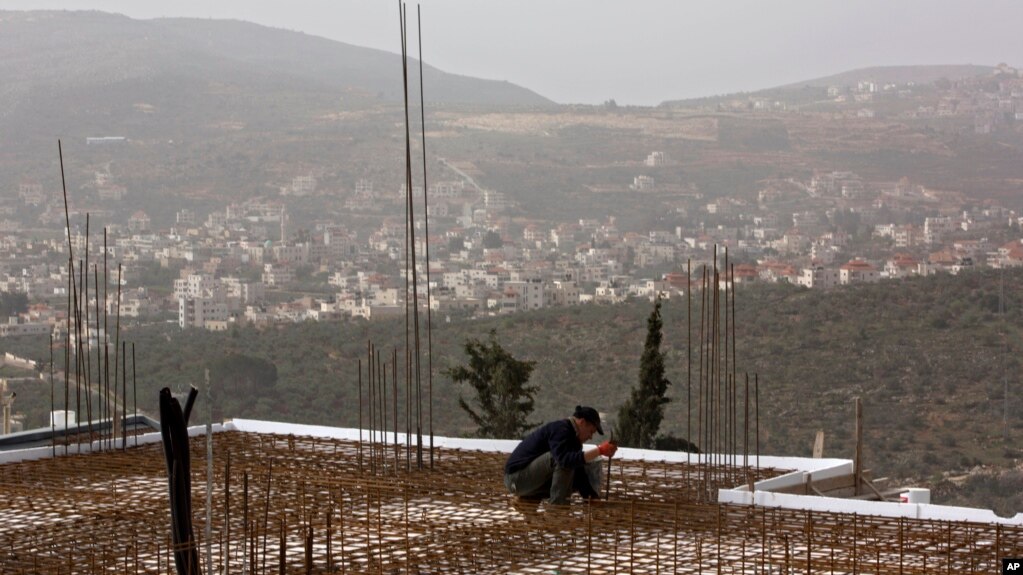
<point x="763" y="495"/>
<point x="860" y="507"/>
<point x="45" y="452"/>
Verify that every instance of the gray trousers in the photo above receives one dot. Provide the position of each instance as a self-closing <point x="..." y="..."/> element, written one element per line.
<point x="544" y="478"/>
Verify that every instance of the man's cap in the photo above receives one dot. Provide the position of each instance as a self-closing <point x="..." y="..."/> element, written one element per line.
<point x="589" y="414"/>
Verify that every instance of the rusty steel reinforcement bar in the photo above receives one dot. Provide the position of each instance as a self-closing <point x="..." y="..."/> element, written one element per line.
<point x="108" y="513"/>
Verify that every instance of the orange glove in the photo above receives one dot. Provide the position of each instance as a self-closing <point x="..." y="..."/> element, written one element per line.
<point x="607" y="449"/>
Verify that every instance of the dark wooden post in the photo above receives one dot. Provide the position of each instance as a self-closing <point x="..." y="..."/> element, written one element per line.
<point x="174" y="429"/>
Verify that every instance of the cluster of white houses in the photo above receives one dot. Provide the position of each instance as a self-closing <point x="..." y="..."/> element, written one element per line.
<point x="484" y="262"/>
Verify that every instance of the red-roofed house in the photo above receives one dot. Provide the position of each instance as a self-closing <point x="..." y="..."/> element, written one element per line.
<point x="1009" y="255"/>
<point x="902" y="265"/>
<point x="746" y="273"/>
<point x="1014" y="259"/>
<point x="943" y="259"/>
<point x="677" y="280"/>
<point x="858" y="271"/>
<point x="775" y="272"/>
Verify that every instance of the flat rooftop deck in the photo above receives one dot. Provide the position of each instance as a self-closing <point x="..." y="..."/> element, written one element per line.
<point x="309" y="503"/>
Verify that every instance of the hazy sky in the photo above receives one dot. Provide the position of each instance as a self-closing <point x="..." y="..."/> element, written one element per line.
<point x="637" y="51"/>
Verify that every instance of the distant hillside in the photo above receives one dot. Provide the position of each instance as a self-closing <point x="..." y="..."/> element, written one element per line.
<point x="879" y="74"/>
<point x="894" y="75"/>
<point x="92" y="69"/>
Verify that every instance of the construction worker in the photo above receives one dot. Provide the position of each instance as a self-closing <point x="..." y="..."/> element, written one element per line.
<point x="550" y="462"/>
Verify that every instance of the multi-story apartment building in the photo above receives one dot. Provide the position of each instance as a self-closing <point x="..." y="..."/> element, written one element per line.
<point x="197" y="312"/>
<point x="818" y="277"/>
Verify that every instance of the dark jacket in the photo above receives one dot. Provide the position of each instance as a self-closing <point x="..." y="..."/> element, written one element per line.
<point x="558" y="437"/>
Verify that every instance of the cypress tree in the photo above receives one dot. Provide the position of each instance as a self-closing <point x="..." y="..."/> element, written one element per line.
<point x="640" y="417"/>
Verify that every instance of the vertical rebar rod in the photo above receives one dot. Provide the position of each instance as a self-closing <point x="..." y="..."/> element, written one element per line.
<point x="730" y="376"/>
<point x="373" y="397"/>
<point x="632" y="534"/>
<point x="246" y="564"/>
<point x="426" y="235"/>
<point x="589" y="538"/>
<point x="702" y="399"/>
<point x="382" y="370"/>
<point x="124" y="386"/>
<point x="409" y="218"/>
<point x="674" y="530"/>
<point x="711" y="367"/>
<point x="253" y="545"/>
<point x="87" y="347"/>
<point x="726" y="396"/>
<point x="394" y="395"/>
<point x="408" y="319"/>
<point x="226" y="541"/>
<point x="714" y="371"/>
<point x="282" y="548"/>
<point x="709" y="372"/>
<point x="756" y="392"/>
<point x="360" y="415"/>
<point x="689" y="363"/>
<point x="408" y="409"/>
<point x="106" y="358"/>
<point x="266" y="511"/>
<point x="745" y="428"/>
<point x="78" y="358"/>
<point x="734" y="355"/>
<point x="719" y="410"/>
<point x="330" y="531"/>
<point x="67" y="216"/>
<point x="381" y="426"/>
<point x="733" y="425"/>
<point x="370" y="405"/>
<point x="53" y="431"/>
<point x="341" y="518"/>
<point x="117" y="320"/>
<point x="209" y="460"/>
<point x="134" y="392"/>
<point x="99" y="379"/>
<point x="71" y="290"/>
<point x="413" y="268"/>
<point x="106" y="331"/>
<point x="67" y="360"/>
<point x="369" y="530"/>
<point x="379" y="391"/>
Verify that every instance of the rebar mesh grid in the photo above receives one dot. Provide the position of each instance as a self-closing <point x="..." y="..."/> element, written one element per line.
<point x="286" y="504"/>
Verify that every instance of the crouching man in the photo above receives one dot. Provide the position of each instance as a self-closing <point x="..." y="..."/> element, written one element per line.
<point x="550" y="462"/>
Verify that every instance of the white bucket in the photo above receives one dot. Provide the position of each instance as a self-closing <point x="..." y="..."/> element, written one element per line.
<point x="57" y="419"/>
<point x="915" y="495"/>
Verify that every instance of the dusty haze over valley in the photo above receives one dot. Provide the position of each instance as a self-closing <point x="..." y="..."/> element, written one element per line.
<point x="862" y="167"/>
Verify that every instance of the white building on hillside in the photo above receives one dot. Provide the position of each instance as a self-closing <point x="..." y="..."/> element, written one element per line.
<point x="818" y="277"/>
